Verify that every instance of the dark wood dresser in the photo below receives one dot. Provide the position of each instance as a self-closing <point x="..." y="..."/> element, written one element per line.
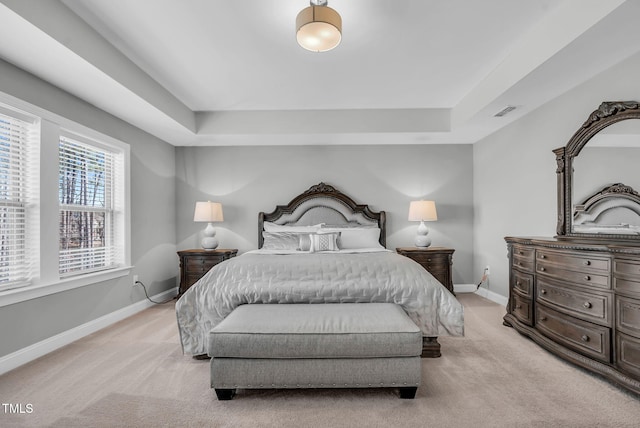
<point x="195" y="263"/>
<point x="579" y="300"/>
<point x="436" y="260"/>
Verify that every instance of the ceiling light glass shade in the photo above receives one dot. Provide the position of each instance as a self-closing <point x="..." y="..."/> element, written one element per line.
<point x="318" y="28"/>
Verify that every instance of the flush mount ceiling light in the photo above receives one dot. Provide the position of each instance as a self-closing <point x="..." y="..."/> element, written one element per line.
<point x="318" y="27"/>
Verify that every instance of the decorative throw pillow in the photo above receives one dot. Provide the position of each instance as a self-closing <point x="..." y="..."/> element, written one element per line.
<point x="324" y="242"/>
<point x="356" y="237"/>
<point x="280" y="241"/>
<point x="304" y="242"/>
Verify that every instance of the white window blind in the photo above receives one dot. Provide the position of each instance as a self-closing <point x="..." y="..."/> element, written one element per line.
<point x="88" y="209"/>
<point x="16" y="131"/>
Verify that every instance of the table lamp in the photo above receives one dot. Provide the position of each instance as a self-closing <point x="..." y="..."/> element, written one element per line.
<point x="422" y="211"/>
<point x="209" y="212"/>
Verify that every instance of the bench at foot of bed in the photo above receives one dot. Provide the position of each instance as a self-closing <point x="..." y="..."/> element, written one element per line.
<point x="285" y="346"/>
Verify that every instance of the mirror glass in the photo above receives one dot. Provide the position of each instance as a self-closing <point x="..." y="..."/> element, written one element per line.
<point x="612" y="156"/>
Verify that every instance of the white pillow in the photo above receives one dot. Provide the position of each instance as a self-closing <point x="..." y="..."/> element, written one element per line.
<point x="352" y="238"/>
<point x="324" y="242"/>
<point x="273" y="227"/>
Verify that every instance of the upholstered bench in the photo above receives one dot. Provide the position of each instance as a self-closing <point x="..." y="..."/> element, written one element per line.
<point x="342" y="345"/>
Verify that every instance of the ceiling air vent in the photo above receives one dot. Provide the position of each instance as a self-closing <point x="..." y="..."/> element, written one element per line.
<point x="505" y="111"/>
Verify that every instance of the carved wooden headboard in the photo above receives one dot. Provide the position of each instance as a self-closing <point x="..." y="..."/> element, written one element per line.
<point x="322" y="203"/>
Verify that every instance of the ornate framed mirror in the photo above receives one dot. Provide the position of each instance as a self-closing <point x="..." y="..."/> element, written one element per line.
<point x="598" y="194"/>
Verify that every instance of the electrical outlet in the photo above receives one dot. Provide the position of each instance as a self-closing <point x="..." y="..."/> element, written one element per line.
<point x="487" y="270"/>
<point x="135" y="280"/>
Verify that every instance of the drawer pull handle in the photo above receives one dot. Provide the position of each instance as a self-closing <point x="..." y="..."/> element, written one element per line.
<point x="518" y="307"/>
<point x="542" y="269"/>
<point x="587" y="278"/>
<point x="543" y="318"/>
<point x="587" y="305"/>
<point x="519" y="263"/>
<point x="586" y="263"/>
<point x="542" y="256"/>
<point x="543" y="291"/>
<point x="518" y="283"/>
<point x="585" y="338"/>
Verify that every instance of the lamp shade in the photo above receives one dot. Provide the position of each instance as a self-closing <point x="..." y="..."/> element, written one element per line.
<point x="318" y="28"/>
<point x="422" y="211"/>
<point x="208" y="211"/>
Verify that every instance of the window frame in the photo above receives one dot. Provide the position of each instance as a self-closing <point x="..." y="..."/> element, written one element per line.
<point x="48" y="280"/>
<point x="27" y="153"/>
<point x="112" y="188"/>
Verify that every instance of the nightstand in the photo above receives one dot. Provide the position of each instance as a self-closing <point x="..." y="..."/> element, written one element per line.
<point x="436" y="260"/>
<point x="195" y="263"/>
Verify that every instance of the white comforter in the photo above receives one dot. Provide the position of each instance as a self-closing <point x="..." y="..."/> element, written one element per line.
<point x="316" y="278"/>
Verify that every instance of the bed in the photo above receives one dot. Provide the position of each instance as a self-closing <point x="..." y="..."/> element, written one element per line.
<point x="321" y="247"/>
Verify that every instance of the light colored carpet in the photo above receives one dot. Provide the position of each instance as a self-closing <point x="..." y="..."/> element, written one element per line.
<point x="133" y="374"/>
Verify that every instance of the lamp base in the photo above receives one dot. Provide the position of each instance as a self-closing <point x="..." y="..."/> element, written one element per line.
<point x="209" y="241"/>
<point x="422" y="240"/>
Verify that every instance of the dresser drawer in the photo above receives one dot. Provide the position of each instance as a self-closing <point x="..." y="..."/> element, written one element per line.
<point x="523" y="252"/>
<point x="524" y="265"/>
<point x="582" y="278"/>
<point x="590" y="306"/>
<point x="522" y="309"/>
<point x="523" y="258"/>
<point x="627" y="268"/>
<point x="200" y="264"/>
<point x="522" y="283"/>
<point x="628" y="354"/>
<point x="626" y="277"/>
<point x="626" y="286"/>
<point x="588" y="339"/>
<point x="628" y="315"/>
<point x="578" y="262"/>
<point x="430" y="260"/>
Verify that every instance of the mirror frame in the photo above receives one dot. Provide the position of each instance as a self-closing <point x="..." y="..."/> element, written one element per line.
<point x="607" y="114"/>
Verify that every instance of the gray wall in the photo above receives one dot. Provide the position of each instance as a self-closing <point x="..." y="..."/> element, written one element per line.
<point x="152" y="223"/>
<point x="514" y="169"/>
<point x="247" y="180"/>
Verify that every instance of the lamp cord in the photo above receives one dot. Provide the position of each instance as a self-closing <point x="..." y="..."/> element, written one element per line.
<point x="483" y="279"/>
<point x="149" y="298"/>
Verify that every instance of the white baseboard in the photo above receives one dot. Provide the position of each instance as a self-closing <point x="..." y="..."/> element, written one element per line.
<point x="494" y="297"/>
<point x="487" y="294"/>
<point x="464" y="288"/>
<point x="37" y="350"/>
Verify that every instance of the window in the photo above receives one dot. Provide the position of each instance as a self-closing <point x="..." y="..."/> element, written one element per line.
<point x="64" y="204"/>
<point x="16" y="133"/>
<point x="87" y="193"/>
